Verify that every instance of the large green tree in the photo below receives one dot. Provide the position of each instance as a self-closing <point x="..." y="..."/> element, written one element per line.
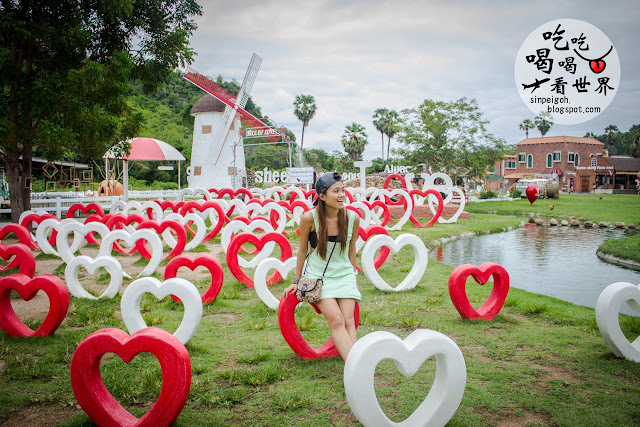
<point x="449" y="137"/>
<point x="392" y="126"/>
<point x="354" y="140"/>
<point x="65" y="68"/>
<point x="304" y="110"/>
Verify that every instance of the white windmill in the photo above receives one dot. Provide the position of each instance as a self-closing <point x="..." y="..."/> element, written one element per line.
<point x="217" y="153"/>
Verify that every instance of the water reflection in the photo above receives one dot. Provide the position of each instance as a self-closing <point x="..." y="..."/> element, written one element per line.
<point x="557" y="261"/>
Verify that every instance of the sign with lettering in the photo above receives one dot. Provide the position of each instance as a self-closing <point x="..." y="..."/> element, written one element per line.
<point x="299" y="175"/>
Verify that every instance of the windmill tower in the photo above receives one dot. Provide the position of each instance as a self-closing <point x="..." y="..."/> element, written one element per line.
<point x="217" y="153"/>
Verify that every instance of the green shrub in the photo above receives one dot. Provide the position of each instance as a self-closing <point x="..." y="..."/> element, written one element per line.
<point x="488" y="194"/>
<point x="515" y="193"/>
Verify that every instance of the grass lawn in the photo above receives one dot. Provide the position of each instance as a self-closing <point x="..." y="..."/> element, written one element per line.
<point x="609" y="207"/>
<point x="627" y="248"/>
<point x="541" y="361"/>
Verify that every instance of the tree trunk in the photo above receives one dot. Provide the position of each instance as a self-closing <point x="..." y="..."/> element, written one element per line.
<point x="388" y="145"/>
<point x="302" y="139"/>
<point x="15" y="189"/>
<point x="382" y="135"/>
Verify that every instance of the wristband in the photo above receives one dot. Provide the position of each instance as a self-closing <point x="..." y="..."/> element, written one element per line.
<point x="295" y="281"/>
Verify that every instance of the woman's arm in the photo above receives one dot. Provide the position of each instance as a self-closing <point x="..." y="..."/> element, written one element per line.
<point x="352" y="244"/>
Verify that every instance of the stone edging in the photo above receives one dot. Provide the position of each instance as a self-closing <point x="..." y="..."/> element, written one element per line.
<point x="468" y="234"/>
<point x="628" y="263"/>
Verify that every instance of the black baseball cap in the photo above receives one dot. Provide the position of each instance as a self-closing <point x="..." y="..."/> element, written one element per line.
<point x="324" y="182"/>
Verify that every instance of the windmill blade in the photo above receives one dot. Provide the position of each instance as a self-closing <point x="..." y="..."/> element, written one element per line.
<point x="249" y="79"/>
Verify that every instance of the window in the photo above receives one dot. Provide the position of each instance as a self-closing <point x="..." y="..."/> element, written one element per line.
<point x="576" y="160"/>
<point x="571" y="157"/>
<point x="521" y="157"/>
<point x="557" y="156"/>
<point x="206" y="129"/>
<point x="594" y="162"/>
<point x="549" y="160"/>
<point x="530" y="161"/>
<point x="510" y="164"/>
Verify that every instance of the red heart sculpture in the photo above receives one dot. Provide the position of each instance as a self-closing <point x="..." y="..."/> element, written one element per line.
<point x="258" y="242"/>
<point x="597" y="66"/>
<point x="232" y="194"/>
<point x="208" y="261"/>
<point x="400" y="178"/>
<point x="21" y="233"/>
<point x="160" y="227"/>
<point x="22" y="258"/>
<point x="247" y="221"/>
<point x="100" y="405"/>
<point x="438" y="210"/>
<point x="493" y="304"/>
<point x="37" y="218"/>
<point x="118" y="221"/>
<point x="201" y="207"/>
<point x="372" y="230"/>
<point x="85" y="209"/>
<point x="293" y="337"/>
<point x="27" y="288"/>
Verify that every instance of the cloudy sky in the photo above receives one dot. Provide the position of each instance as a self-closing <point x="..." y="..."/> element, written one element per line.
<point x="357" y="56"/>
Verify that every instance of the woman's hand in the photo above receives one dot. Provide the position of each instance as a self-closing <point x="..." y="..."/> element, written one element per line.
<point x="288" y="290"/>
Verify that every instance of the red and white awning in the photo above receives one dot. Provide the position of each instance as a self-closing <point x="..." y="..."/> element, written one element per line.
<point x="149" y="149"/>
<point x="557" y="171"/>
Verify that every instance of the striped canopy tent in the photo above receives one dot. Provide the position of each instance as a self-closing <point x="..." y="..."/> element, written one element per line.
<point x="144" y="149"/>
<point x="557" y="171"/>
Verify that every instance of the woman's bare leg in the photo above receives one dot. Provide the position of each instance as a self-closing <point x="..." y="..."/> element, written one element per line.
<point x="341" y="338"/>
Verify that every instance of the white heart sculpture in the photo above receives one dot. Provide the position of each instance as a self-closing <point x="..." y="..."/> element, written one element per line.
<point x="360" y="194"/>
<point x="364" y="209"/>
<point x="43" y="233"/>
<point x="117" y="206"/>
<point x="421" y="257"/>
<point x="226" y="205"/>
<point x="79" y="231"/>
<point x="133" y="207"/>
<point x="447" y="390"/>
<point x="266" y="211"/>
<point x="381" y="192"/>
<point x="260" y="278"/>
<point x="201" y="230"/>
<point x="258" y="193"/>
<point x="181" y="288"/>
<point x="150" y="236"/>
<point x="607" y="310"/>
<point x="274" y="193"/>
<point x="430" y="180"/>
<point x="449" y="192"/>
<point x="238" y="226"/>
<point x="92" y="265"/>
<point x="156" y="209"/>
<point x="293" y="190"/>
<point x="193" y="192"/>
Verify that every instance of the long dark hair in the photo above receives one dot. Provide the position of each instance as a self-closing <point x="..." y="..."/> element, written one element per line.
<point x="323" y="230"/>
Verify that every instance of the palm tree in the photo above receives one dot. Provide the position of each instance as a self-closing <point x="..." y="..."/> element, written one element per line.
<point x="544" y="121"/>
<point x="526" y="125"/>
<point x="379" y="123"/>
<point x="590" y="135"/>
<point x="354" y="140"/>
<point x="392" y="127"/>
<point x="305" y="109"/>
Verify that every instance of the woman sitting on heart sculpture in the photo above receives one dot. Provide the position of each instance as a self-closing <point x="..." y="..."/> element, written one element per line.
<point x="331" y="231"/>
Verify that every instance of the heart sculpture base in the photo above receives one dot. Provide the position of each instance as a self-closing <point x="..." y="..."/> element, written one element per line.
<point x="100" y="405"/>
<point x="293" y="337"/>
<point x="443" y="398"/>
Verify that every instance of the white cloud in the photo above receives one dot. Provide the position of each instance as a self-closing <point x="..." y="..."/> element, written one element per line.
<point x="356" y="56"/>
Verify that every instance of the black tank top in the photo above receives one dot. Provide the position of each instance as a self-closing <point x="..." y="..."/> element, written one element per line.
<point x="313" y="239"/>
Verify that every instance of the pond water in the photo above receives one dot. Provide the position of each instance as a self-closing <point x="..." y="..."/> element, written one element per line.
<point x="556" y="261"/>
